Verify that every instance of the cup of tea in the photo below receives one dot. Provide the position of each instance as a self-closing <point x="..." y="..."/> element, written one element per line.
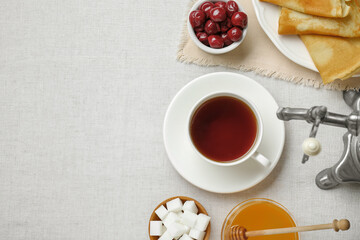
<point x="226" y="129"/>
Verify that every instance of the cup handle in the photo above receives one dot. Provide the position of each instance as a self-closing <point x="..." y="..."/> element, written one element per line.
<point x="261" y="159"/>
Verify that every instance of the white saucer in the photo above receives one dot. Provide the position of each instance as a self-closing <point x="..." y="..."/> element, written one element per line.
<point x="208" y="176"/>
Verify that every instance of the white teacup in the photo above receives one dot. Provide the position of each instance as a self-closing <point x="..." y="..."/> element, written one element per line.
<point x="252" y="152"/>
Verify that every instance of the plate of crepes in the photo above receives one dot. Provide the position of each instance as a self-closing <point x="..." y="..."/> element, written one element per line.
<point x="321" y="35"/>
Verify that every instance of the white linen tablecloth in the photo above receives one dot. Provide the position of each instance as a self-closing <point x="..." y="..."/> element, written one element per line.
<point x="84" y="87"/>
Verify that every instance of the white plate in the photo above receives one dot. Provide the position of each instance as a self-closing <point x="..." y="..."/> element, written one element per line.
<point x="196" y="170"/>
<point x="290" y="45"/>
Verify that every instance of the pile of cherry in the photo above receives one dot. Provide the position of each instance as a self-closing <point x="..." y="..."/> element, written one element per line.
<point x="218" y="24"/>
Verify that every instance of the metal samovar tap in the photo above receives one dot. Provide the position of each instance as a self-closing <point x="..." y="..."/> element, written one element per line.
<point x="347" y="169"/>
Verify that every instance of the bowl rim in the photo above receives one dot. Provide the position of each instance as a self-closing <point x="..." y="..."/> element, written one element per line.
<point x="203" y="46"/>
<point x="243" y="203"/>
<point x="201" y="208"/>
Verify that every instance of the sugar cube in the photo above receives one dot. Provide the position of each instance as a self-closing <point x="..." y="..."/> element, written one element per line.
<point x="161" y="212"/>
<point x="174" y="205"/>
<point x="189" y="219"/>
<point x="170" y="218"/>
<point x="198" y="235"/>
<point x="166" y="236"/>
<point x="156" y="228"/>
<point x="185" y="237"/>
<point x="176" y="230"/>
<point x="187" y="229"/>
<point x="180" y="215"/>
<point x="190" y="206"/>
<point x="202" y="222"/>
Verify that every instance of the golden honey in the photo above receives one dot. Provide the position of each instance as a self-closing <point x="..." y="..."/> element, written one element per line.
<point x="259" y="214"/>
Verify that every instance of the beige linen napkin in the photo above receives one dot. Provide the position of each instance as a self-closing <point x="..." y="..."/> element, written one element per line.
<point x="257" y="53"/>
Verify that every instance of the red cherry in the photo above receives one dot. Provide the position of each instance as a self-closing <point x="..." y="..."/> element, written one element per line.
<point x="218" y="14"/>
<point x="212" y="27"/>
<point x="196" y="18"/>
<point x="220" y="4"/>
<point x="239" y="19"/>
<point x="216" y="41"/>
<point x="226" y="39"/>
<point x="235" y="34"/>
<point x="231" y="7"/>
<point x="206" y="7"/>
<point x="225" y="25"/>
<point x="203" y="37"/>
<point x="229" y="24"/>
<point x="200" y="28"/>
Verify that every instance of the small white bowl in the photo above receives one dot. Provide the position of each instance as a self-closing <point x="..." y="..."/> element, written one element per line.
<point x="203" y="46"/>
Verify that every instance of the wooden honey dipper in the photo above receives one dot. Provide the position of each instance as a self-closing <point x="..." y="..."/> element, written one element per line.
<point x="240" y="233"/>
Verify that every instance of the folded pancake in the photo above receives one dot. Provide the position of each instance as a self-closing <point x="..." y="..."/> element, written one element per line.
<point x="324" y="8"/>
<point x="293" y="22"/>
<point x="334" y="57"/>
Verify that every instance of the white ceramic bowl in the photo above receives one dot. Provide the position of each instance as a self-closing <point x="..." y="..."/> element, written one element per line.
<point x="203" y="46"/>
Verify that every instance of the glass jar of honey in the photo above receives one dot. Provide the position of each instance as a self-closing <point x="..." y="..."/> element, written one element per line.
<point x="259" y="214"/>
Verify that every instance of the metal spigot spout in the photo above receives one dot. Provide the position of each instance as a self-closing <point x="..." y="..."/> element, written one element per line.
<point x="325" y="179"/>
<point x="347" y="169"/>
<point x="279" y="113"/>
<point x="287" y="114"/>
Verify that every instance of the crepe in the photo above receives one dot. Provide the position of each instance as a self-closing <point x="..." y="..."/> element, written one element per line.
<point x="334" y="57"/>
<point x="292" y="22"/>
<point x="324" y="8"/>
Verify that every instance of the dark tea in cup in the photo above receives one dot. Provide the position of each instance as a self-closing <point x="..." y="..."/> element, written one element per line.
<point x="223" y="128"/>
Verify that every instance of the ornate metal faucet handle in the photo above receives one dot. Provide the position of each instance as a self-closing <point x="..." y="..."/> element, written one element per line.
<point x="315" y="115"/>
<point x="318" y="114"/>
<point x="347" y="169"/>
